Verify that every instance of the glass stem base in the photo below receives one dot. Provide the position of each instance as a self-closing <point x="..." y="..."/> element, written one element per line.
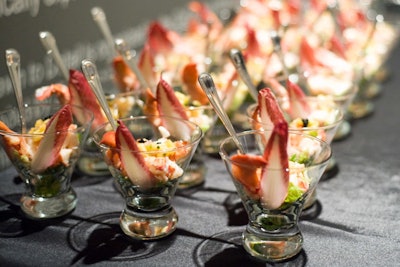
<point x="343" y="131"/>
<point x="45" y="208"/>
<point x="312" y="207"/>
<point x="272" y="247"/>
<point x="92" y="166"/>
<point x="361" y="109"/>
<point x="213" y="138"/>
<point x="148" y="225"/>
<point x="331" y="170"/>
<point x="194" y="175"/>
<point x="310" y="200"/>
<point x="91" y="161"/>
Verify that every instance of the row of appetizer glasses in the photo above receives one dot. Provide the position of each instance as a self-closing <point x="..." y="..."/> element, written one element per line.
<point x="147" y="155"/>
<point x="152" y="134"/>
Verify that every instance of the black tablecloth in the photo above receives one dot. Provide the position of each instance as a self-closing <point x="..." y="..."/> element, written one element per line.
<point x="358" y="225"/>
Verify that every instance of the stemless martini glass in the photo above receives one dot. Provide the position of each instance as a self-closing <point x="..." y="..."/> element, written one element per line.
<point x="164" y="155"/>
<point x="48" y="192"/>
<point x="272" y="234"/>
<point x="326" y="111"/>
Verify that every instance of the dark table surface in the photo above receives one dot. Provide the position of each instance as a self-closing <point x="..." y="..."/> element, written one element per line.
<point x="358" y="224"/>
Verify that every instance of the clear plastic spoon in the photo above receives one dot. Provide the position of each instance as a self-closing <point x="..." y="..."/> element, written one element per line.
<point x="50" y="45"/>
<point x="89" y="69"/>
<point x="238" y="61"/>
<point x="208" y="86"/>
<point x="13" y="63"/>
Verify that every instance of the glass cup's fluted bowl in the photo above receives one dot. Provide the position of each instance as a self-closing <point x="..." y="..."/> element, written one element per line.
<point x="273" y="234"/>
<point x="148" y="213"/>
<point x="48" y="193"/>
<point x="121" y="105"/>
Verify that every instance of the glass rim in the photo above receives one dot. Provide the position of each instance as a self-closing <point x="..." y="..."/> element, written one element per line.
<point x="339" y="119"/>
<point x="201" y="107"/>
<point x="225" y="154"/>
<point x="190" y="143"/>
<point x="37" y="105"/>
<point x="113" y="96"/>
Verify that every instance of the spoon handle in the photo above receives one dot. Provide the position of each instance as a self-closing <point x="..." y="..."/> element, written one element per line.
<point x="100" y="19"/>
<point x="129" y="58"/>
<point x="238" y="61"/>
<point x="50" y="45"/>
<point x="276" y="42"/>
<point x="208" y="86"/>
<point x="13" y="63"/>
<point x="333" y="8"/>
<point x="377" y="19"/>
<point x="90" y="71"/>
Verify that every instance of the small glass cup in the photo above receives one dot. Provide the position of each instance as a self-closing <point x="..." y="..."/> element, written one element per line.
<point x="326" y="133"/>
<point x="148" y="213"/>
<point x="273" y="234"/>
<point x="48" y="192"/>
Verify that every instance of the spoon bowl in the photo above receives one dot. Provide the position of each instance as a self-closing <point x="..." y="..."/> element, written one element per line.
<point x="207" y="84"/>
<point x="89" y="69"/>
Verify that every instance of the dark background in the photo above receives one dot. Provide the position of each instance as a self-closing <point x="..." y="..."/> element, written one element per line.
<point x="77" y="35"/>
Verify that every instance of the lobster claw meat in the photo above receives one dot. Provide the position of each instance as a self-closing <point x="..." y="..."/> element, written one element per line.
<point x="123" y="75"/>
<point x="60" y="90"/>
<point x="14" y="143"/>
<point x="191" y="84"/>
<point x="245" y="168"/>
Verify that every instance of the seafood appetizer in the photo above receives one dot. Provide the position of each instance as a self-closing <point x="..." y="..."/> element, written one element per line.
<point x="281" y="153"/>
<point x="148" y="156"/>
<point x="45" y="154"/>
<point x="318" y="116"/>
